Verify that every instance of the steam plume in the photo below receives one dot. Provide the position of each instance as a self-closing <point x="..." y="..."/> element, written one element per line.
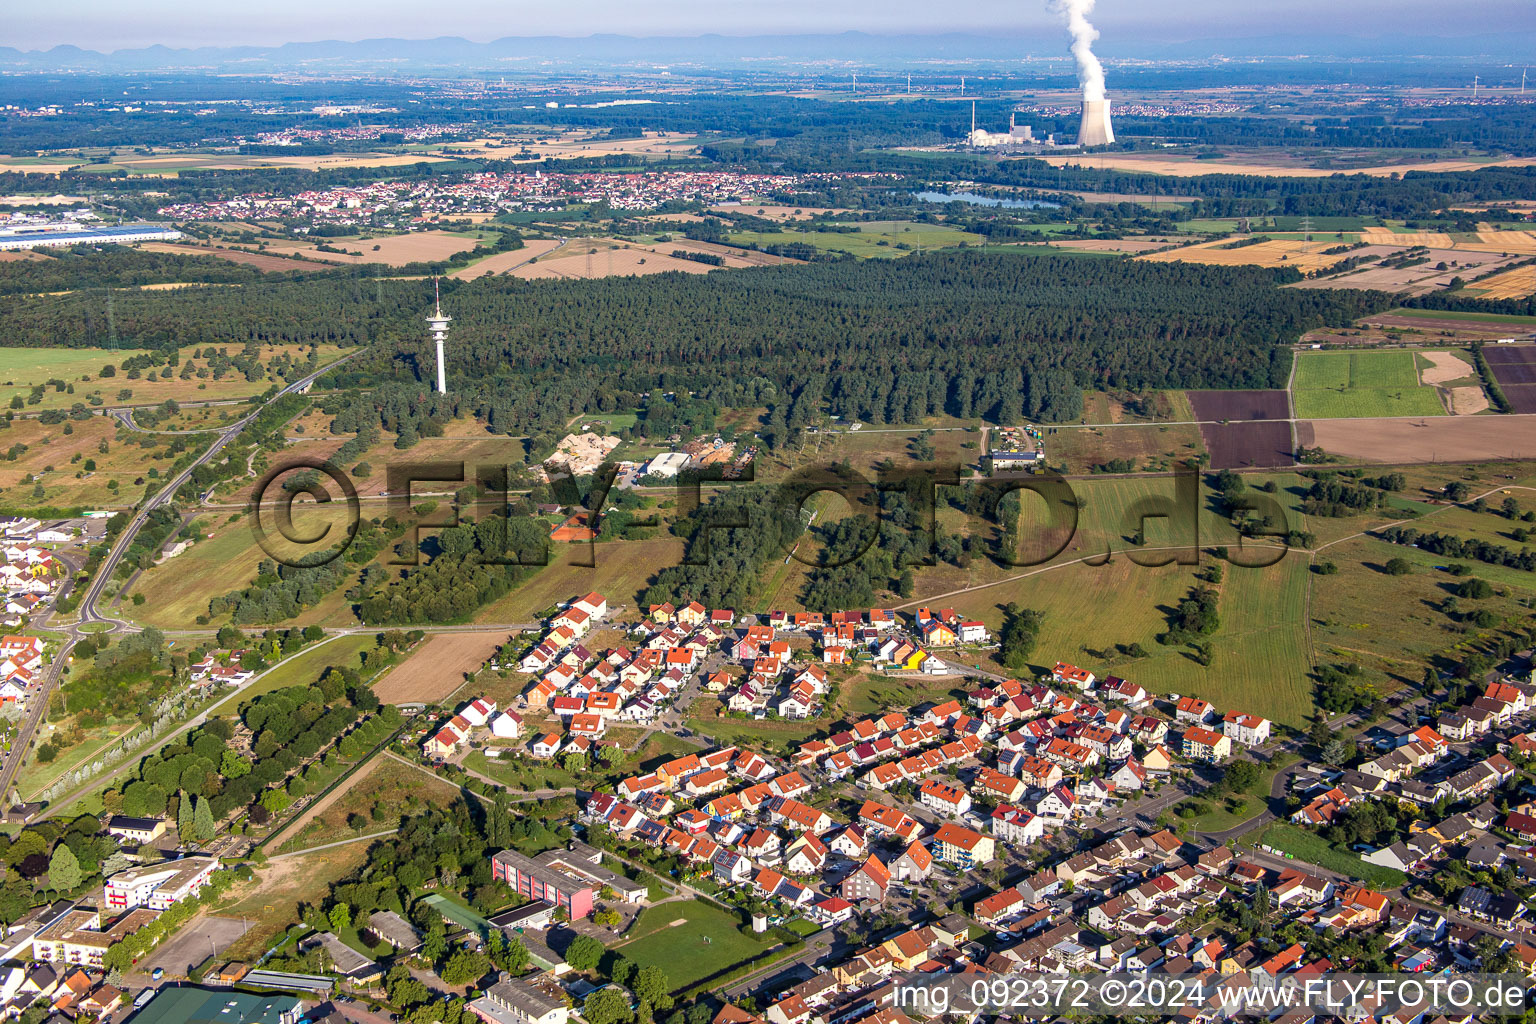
<point x="1090" y="73"/>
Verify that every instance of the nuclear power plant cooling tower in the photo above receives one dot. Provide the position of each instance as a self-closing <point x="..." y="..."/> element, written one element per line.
<point x="1095" y="129"/>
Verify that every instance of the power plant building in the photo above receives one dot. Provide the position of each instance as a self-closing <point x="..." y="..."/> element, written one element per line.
<point x="1095" y="129"/>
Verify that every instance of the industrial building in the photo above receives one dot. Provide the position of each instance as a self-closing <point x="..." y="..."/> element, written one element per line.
<point x="667" y="464"/>
<point x="126" y="234"/>
<point x="1016" y="135"/>
<point x="1095" y="129"/>
<point x="191" y="1005"/>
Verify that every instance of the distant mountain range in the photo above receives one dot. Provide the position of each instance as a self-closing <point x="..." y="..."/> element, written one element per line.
<point x="518" y="54"/>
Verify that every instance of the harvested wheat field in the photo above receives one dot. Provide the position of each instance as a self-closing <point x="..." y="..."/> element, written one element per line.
<point x="260" y="260"/>
<point x="1386" y="236"/>
<point x="609" y="263"/>
<point x="733" y="256"/>
<point x="434" y="670"/>
<point x="1511" y="284"/>
<point x="395" y="250"/>
<point x="1468" y="400"/>
<point x="1113" y="244"/>
<point x="1423" y="439"/>
<point x="22" y="256"/>
<point x="1448" y="367"/>
<point x="1277" y="252"/>
<point x="551" y="145"/>
<point x="502" y="262"/>
<point x="772" y="212"/>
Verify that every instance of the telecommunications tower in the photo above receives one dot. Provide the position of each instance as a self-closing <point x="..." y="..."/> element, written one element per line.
<point x="438" y="323"/>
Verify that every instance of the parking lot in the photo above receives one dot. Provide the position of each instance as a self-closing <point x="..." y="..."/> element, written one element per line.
<point x="200" y="939"/>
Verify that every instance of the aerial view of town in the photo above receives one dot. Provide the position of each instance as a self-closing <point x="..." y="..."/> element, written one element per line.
<point x="762" y="514"/>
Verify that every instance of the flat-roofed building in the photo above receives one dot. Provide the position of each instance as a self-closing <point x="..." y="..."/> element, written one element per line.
<point x="159" y="886"/>
<point x="514" y="1001"/>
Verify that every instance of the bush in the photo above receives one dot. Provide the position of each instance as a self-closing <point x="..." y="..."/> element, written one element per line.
<point x="1398" y="567"/>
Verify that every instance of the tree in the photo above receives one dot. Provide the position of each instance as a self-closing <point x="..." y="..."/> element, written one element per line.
<point x="584" y="953"/>
<point x="1241" y="776"/>
<point x="652" y="986"/>
<point x="64" y="869"/>
<point x="233" y="766"/>
<point x="605" y="1006"/>
<point x="464" y="967"/>
<point x="202" y="821"/>
<point x="184" y="815"/>
<point x="340" y="917"/>
<point x="1398" y="567"/>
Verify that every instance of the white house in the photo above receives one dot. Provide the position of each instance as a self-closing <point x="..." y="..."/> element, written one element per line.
<point x="1247" y="730"/>
<point x="507" y="725"/>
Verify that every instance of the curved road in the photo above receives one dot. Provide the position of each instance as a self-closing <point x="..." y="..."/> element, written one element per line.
<point x="87" y="608"/>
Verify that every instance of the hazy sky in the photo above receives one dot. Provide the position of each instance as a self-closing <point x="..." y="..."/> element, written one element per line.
<point x="116" y="24"/>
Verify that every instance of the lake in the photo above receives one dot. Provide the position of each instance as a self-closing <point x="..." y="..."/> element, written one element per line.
<point x="980" y="200"/>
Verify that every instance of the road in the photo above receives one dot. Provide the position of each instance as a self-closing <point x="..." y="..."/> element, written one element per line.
<point x="87" y="613"/>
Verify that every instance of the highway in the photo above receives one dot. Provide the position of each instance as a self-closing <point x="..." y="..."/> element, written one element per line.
<point x="87" y="613"/>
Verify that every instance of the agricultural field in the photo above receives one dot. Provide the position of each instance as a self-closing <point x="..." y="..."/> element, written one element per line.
<point x="1277" y="252"/>
<point x="874" y="238"/>
<point x="1514" y="367"/>
<point x="502" y="262"/>
<point x="264" y="262"/>
<point x="1361" y="384"/>
<point x="690" y="941"/>
<point x="1244" y="429"/>
<point x="1266" y="162"/>
<point x="1485" y="239"/>
<point x="1436" y="320"/>
<point x="1519" y="283"/>
<point x="1431" y="439"/>
<point x="391" y="250"/>
<point x="437" y="668"/>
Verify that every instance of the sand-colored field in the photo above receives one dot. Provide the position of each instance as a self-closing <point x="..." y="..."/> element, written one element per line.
<point x="1448" y="367"/>
<point x="1468" y="400"/>
<point x="22" y="256"/>
<point x="772" y="212"/>
<point x="1188" y="167"/>
<point x="54" y="200"/>
<point x="393" y="250"/>
<point x="1111" y="244"/>
<point x="588" y="258"/>
<point x="437" y="668"/>
<point x="550" y="145"/>
<point x="1487" y="240"/>
<point x="1277" y="252"/>
<point x="1512" y="284"/>
<point x="1423" y="439"/>
<point x="502" y="262"/>
<point x="261" y="261"/>
<point x="169" y="165"/>
<point x="1386" y="236"/>
<point x="612" y="263"/>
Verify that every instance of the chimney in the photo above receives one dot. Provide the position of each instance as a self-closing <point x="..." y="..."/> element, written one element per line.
<point x="1095" y="129"/>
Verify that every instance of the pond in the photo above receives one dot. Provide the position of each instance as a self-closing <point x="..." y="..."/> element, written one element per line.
<point x="980" y="200"/>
